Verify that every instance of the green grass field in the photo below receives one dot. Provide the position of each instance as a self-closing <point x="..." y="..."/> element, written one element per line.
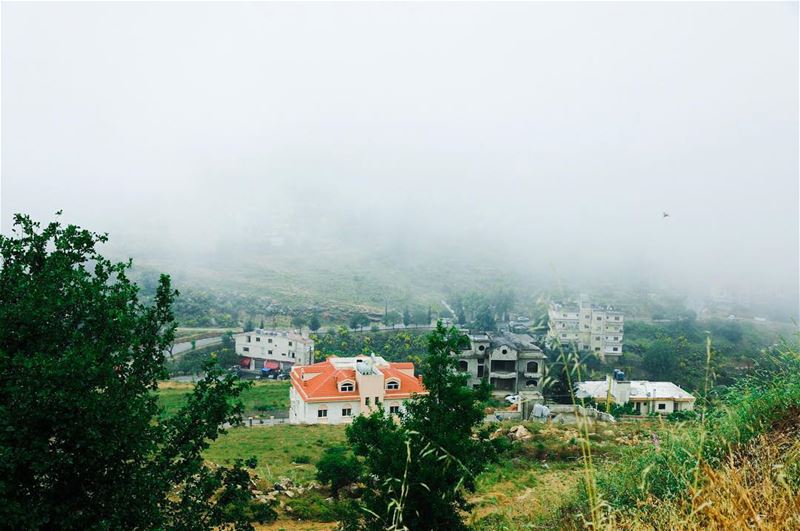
<point x="263" y="397"/>
<point x="277" y="449"/>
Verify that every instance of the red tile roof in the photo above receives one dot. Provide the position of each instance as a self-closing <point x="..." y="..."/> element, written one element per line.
<point x="324" y="387"/>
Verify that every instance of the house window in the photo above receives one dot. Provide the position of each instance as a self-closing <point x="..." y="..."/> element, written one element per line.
<point x="531" y="383"/>
<point x="533" y="366"/>
<point x="599" y="318"/>
<point x="292" y="354"/>
<point x="322" y="413"/>
<point x="258" y="340"/>
<point x="662" y="406"/>
<point x="394" y="410"/>
<point x="347" y="412"/>
<point x="248" y="339"/>
<point x="392" y="384"/>
<point x="269" y="352"/>
<point x="481" y="348"/>
<point x="597" y="349"/>
<point x="463" y="366"/>
<point x="346" y="387"/>
<point x="505" y="351"/>
<point x="615" y="349"/>
<point x="480" y="371"/>
<point x="503" y="366"/>
<point x="246" y="349"/>
<point x="269" y="340"/>
<point x="290" y="343"/>
<point x="616" y="318"/>
<point x="366" y="400"/>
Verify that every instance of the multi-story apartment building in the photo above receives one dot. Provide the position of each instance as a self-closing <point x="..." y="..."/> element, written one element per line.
<point x="511" y="362"/>
<point x="271" y="349"/>
<point x="589" y="327"/>
<point x="339" y="389"/>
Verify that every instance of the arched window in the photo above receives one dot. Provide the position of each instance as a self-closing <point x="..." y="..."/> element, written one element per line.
<point x="463" y="366"/>
<point x="531" y="383"/>
<point x="481" y="348"/>
<point x="346" y="387"/>
<point x="393" y="384"/>
<point x="533" y="366"/>
<point x="505" y="351"/>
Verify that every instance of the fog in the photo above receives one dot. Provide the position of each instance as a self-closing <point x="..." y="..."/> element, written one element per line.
<point x="545" y="139"/>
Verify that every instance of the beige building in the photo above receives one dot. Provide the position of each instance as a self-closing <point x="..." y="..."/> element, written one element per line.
<point x="272" y="349"/>
<point x="646" y="397"/>
<point x="339" y="389"/>
<point x="511" y="362"/>
<point x="589" y="328"/>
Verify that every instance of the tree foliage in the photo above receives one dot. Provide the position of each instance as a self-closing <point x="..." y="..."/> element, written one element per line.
<point x="82" y="443"/>
<point x="338" y="468"/>
<point x="419" y="470"/>
<point x="359" y="320"/>
<point x="314" y="323"/>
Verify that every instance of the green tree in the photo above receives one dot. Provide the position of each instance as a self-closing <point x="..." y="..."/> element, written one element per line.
<point x="359" y="321"/>
<point x="249" y="325"/>
<point x="298" y="322"/>
<point x="661" y="358"/>
<point x="338" y="467"/>
<point x="314" y="323"/>
<point x="419" y="470"/>
<point x="262" y="324"/>
<point x="461" y="317"/>
<point x="406" y="317"/>
<point x="484" y="319"/>
<point x="82" y="442"/>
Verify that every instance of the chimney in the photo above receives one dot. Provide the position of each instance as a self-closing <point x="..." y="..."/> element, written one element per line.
<point x="620" y="390"/>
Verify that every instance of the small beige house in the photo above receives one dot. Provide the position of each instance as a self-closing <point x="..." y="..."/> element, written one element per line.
<point x="646" y="397"/>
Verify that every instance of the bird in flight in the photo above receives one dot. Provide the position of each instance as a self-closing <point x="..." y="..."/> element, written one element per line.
<point x="665" y="214"/>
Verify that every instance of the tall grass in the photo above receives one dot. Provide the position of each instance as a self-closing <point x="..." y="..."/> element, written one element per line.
<point x="685" y="459"/>
<point x="685" y="463"/>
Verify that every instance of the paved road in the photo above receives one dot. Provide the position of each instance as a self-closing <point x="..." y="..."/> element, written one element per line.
<point x="180" y="348"/>
<point x="183" y="347"/>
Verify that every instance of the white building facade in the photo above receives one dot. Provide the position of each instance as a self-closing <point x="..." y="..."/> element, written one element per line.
<point x="339" y="389"/>
<point x="273" y="349"/>
<point x="647" y="397"/>
<point x="590" y="328"/>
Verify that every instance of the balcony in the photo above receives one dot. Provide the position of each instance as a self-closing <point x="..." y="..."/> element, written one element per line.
<point x="503" y="375"/>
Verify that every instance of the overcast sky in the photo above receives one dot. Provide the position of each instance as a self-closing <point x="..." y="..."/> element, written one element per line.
<point x="543" y="134"/>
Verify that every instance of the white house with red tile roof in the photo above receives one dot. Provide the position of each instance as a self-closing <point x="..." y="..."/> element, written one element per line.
<point x="338" y="389"/>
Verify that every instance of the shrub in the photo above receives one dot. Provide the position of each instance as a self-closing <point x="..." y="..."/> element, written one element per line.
<point x="311" y="505"/>
<point x="338" y="468"/>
